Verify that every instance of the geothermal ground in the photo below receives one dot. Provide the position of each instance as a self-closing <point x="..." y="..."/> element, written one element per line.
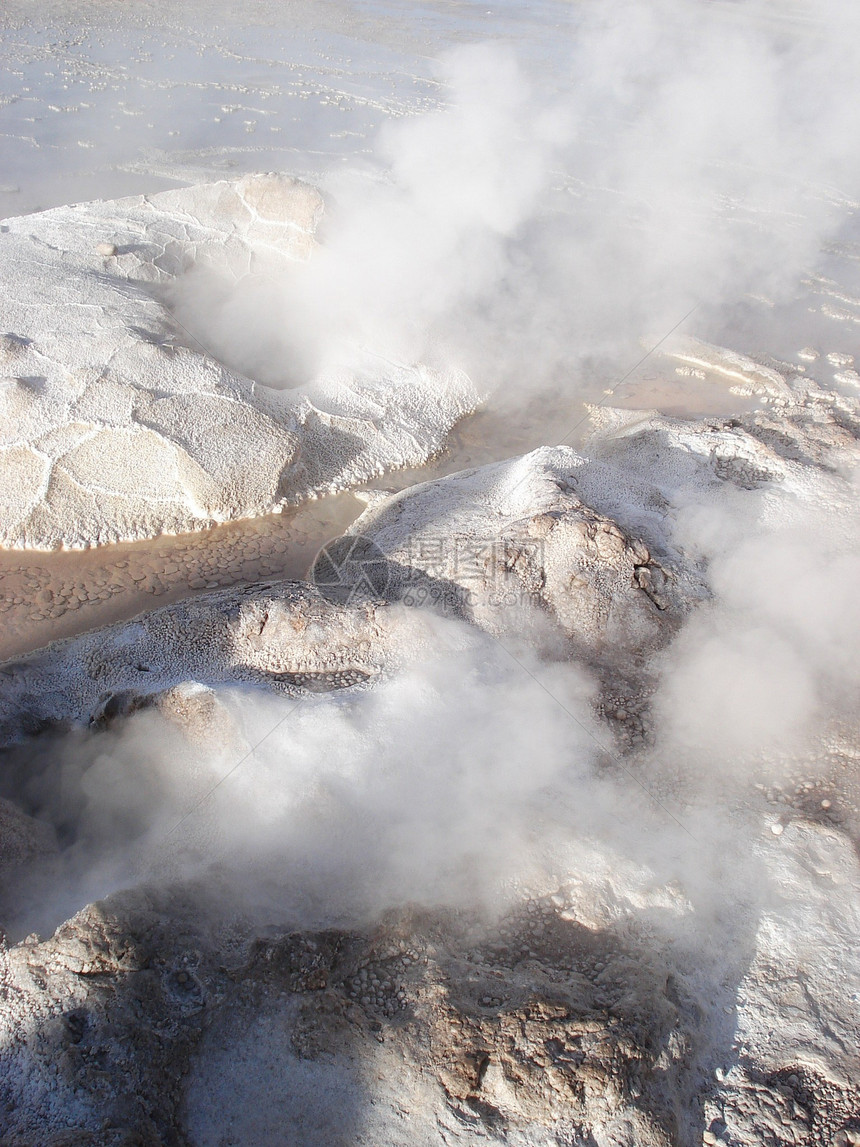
<point x="429" y="549"/>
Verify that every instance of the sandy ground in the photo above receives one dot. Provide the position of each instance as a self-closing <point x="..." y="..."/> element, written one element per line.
<point x="54" y="595"/>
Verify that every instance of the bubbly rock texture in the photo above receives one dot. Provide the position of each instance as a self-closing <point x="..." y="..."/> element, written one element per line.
<point x="115" y="424"/>
<point x="284" y="636"/>
<point x="805" y="444"/>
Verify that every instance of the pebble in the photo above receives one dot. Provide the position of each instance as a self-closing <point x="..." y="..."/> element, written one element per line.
<point x="825" y="804"/>
<point x="777" y="829"/>
<point x="105" y="249"/>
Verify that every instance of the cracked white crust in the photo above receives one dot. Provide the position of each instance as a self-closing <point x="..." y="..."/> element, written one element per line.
<point x="115" y="425"/>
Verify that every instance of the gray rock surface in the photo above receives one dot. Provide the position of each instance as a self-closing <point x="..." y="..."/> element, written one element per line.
<point x="22" y="837"/>
<point x="506" y="546"/>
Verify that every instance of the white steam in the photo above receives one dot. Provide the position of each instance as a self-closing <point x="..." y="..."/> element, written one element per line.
<point x="446" y="784"/>
<point x="757" y="674"/>
<point x="673" y="153"/>
<point x="698" y="151"/>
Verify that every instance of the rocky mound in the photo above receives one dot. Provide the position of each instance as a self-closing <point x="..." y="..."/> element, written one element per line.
<point x="513" y="545"/>
<point x="283" y="636"/>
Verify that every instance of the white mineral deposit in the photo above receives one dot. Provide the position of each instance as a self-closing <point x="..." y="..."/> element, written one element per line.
<point x="429" y="551"/>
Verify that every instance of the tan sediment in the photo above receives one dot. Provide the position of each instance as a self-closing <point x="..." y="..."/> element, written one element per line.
<point x="683" y="396"/>
<point x="48" y="596"/>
